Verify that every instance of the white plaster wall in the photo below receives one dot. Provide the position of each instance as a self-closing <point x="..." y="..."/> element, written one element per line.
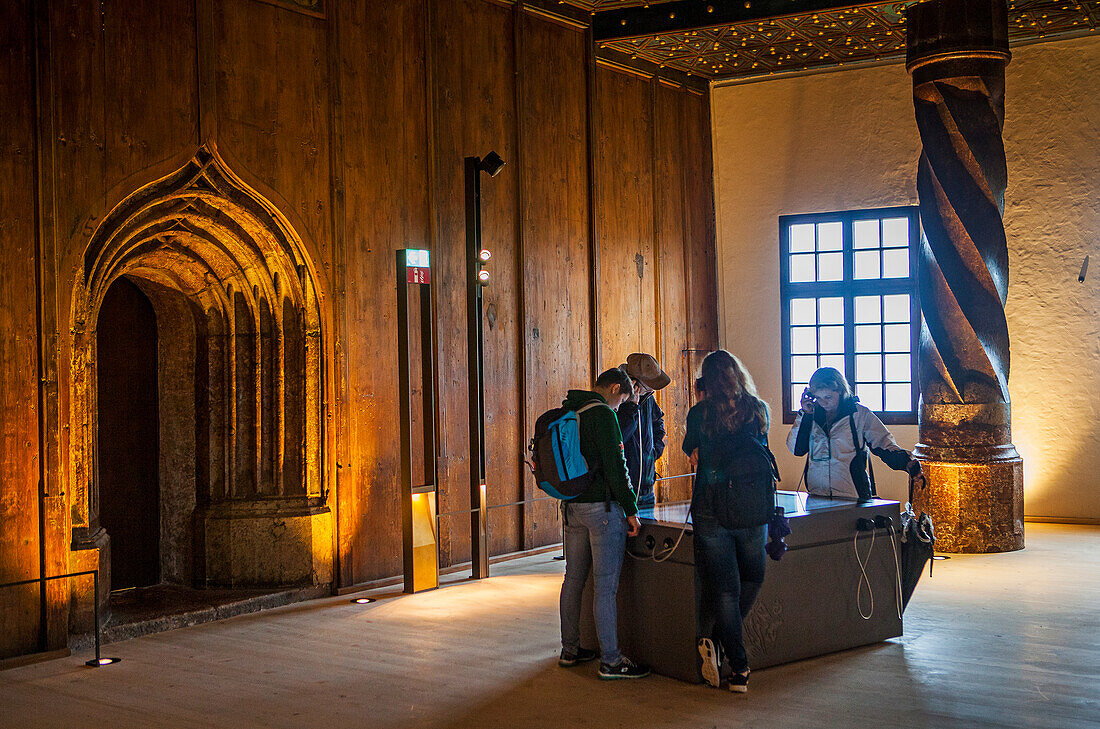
<point x="848" y="140"/>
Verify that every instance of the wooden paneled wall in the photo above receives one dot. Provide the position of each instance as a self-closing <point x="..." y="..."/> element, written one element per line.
<point x="595" y="224"/>
<point x="599" y="224"/>
<point x="353" y="122"/>
<point x="19" y="447"/>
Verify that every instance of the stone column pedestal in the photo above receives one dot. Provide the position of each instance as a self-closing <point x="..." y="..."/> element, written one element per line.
<point x="975" y="478"/>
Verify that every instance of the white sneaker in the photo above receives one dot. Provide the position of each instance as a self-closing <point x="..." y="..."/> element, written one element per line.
<point x="709" y="653"/>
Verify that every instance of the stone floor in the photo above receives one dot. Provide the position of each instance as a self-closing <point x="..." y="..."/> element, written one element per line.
<point x="144" y="610"/>
<point x="1006" y="640"/>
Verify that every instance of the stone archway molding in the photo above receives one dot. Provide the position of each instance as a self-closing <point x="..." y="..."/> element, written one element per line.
<point x="206" y="237"/>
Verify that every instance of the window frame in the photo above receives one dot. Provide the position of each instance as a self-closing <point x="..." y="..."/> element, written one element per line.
<point x="848" y="289"/>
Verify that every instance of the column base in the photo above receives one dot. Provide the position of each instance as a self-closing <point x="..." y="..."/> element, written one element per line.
<point x="265" y="543"/>
<point x="977" y="506"/>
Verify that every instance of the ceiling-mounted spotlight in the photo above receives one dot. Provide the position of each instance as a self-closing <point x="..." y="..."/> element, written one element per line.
<point x="491" y="163"/>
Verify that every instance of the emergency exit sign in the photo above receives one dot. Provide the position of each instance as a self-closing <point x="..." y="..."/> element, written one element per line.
<point x="417" y="266"/>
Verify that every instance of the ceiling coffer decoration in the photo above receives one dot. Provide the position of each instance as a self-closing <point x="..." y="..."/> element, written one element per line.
<point x="796" y="35"/>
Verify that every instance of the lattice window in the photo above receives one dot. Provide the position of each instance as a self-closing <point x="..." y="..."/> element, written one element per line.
<point x="849" y="300"/>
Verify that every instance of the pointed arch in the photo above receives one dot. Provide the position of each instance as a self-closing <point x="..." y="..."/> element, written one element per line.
<point x="202" y="234"/>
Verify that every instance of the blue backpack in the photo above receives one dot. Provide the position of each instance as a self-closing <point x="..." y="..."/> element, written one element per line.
<point x="556" y="461"/>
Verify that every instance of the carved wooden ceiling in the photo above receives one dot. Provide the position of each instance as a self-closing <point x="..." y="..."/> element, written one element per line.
<point x="858" y="33"/>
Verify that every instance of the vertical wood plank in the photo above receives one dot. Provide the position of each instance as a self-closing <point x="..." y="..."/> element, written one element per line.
<point x="385" y="180"/>
<point x="624" y="216"/>
<point x="151" y="86"/>
<point x="555" y="227"/>
<point x="473" y="113"/>
<point x="671" y="164"/>
<point x="19" y="451"/>
<point x="71" y="128"/>
<point x="701" y="283"/>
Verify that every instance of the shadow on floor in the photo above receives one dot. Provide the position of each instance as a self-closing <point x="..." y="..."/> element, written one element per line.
<point x="144" y="610"/>
<point x="813" y="693"/>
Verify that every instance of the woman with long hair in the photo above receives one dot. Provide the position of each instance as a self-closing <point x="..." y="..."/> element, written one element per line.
<point x="729" y="563"/>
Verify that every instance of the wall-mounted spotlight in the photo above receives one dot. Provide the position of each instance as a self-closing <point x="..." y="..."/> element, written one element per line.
<point x="491" y="163"/>
<point x="482" y="273"/>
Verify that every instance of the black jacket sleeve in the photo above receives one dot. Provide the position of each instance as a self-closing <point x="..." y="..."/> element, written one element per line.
<point x="628" y="420"/>
<point x="895" y="459"/>
<point x="693" y="429"/>
<point x="658" y="430"/>
<point x="802" y="441"/>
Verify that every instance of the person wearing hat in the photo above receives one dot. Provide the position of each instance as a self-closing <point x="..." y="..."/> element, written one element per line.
<point x="643" y="424"/>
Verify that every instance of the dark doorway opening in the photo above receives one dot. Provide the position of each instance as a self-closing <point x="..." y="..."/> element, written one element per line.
<point x="129" y="488"/>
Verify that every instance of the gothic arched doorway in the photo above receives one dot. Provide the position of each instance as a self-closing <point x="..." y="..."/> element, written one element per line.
<point x="237" y="389"/>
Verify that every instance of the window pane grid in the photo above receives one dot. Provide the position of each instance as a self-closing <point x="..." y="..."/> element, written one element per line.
<point x="855" y="309"/>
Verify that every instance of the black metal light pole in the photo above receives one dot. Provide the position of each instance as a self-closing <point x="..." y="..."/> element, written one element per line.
<point x="476" y="279"/>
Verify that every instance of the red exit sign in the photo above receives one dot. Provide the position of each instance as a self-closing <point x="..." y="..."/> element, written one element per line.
<point x="417" y="266"/>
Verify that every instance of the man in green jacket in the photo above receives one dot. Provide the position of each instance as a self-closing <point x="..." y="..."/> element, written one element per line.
<point x="597" y="524"/>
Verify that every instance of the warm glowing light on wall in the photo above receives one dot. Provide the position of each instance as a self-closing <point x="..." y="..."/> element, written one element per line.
<point x="1043" y="467"/>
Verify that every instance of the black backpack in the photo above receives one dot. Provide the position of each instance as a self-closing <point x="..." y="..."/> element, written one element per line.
<point x="740" y="476"/>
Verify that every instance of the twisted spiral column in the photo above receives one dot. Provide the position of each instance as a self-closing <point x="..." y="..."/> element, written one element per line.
<point x="957" y="52"/>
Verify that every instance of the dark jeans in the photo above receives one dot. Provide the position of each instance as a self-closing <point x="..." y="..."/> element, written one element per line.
<point x="729" y="572"/>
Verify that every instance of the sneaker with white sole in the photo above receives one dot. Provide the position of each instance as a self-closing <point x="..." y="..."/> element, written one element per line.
<point x="625" y="668"/>
<point x="708" y="652"/>
<point x="739" y="682"/>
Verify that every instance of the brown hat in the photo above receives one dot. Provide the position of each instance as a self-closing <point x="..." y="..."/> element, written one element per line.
<point x="644" y="368"/>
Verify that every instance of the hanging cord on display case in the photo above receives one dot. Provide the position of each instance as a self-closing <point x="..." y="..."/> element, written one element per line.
<point x="863" y="576"/>
<point x="880" y="521"/>
<point x="897" y="574"/>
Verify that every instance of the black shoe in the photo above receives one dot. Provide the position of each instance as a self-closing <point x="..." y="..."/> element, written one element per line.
<point x="572" y="658"/>
<point x="739" y="682"/>
<point x="625" y="668"/>
<point x="708" y="652"/>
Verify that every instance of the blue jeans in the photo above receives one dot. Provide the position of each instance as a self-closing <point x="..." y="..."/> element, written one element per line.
<point x="595" y="541"/>
<point x="729" y="572"/>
